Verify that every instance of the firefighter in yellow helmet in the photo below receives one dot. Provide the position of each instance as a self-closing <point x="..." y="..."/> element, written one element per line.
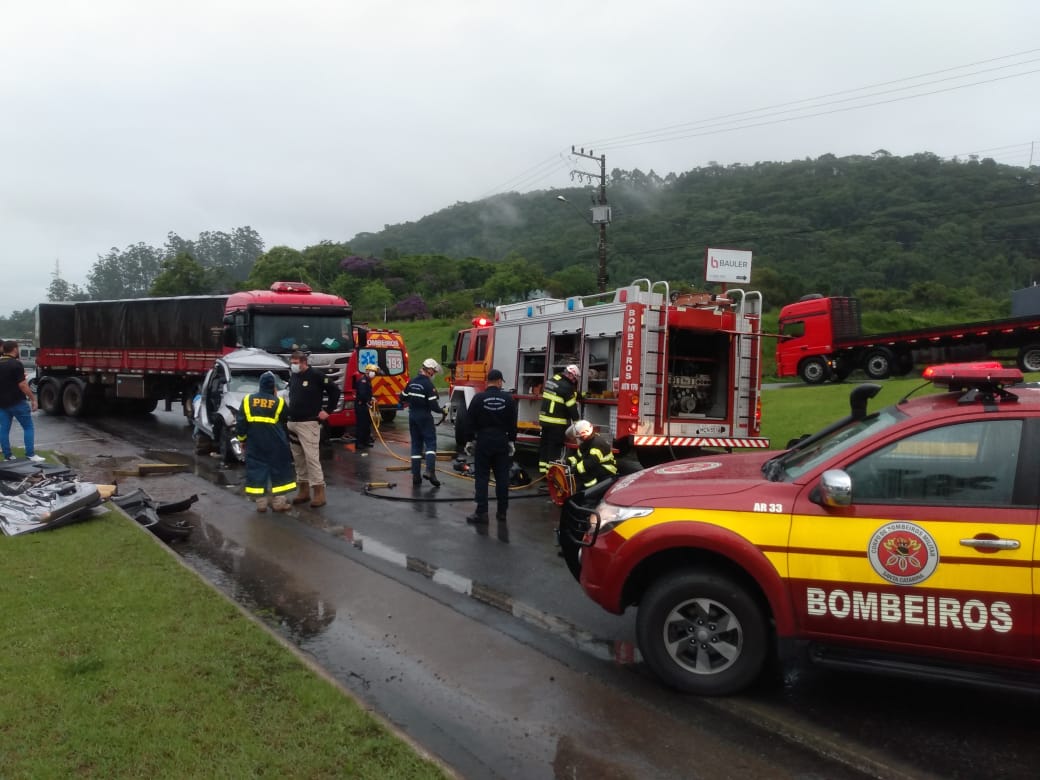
<point x="594" y="461"/>
<point x="559" y="409"/>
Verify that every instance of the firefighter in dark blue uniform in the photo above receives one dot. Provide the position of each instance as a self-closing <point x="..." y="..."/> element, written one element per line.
<point x="492" y="416"/>
<point x="260" y="425"/>
<point x="421" y="398"/>
<point x="362" y="413"/>
<point x="559" y="410"/>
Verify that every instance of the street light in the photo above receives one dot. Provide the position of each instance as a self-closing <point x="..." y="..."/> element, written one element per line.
<point x="600" y="217"/>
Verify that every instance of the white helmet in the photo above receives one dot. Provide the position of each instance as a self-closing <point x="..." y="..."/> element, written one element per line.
<point x="583" y="429"/>
<point x="573" y="371"/>
<point x="431" y="364"/>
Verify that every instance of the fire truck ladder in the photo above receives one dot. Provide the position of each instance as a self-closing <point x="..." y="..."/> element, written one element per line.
<point x="655" y="342"/>
<point x="749" y="351"/>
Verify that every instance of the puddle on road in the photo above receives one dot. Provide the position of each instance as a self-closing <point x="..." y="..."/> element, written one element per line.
<point x="259" y="584"/>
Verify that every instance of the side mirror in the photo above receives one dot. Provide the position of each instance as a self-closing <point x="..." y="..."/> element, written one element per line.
<point x="835" y="489"/>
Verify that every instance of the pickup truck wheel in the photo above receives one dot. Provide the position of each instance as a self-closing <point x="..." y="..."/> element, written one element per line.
<point x="702" y="633"/>
<point x="1029" y="357"/>
<point x="227" y="454"/>
<point x="50" y="397"/>
<point x="814" y="371"/>
<point x="879" y="364"/>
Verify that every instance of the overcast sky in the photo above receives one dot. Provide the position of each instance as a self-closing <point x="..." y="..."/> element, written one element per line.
<point x="122" y="120"/>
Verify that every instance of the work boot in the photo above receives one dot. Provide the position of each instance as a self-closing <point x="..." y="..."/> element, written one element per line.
<point x="319" y="496"/>
<point x="261" y="504"/>
<point x="432" y="476"/>
<point x="280" y="504"/>
<point x="477" y="518"/>
<point x="500" y="516"/>
<point x="303" y="494"/>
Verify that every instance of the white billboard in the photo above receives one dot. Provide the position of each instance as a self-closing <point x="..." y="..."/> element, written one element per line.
<point x="729" y="266"/>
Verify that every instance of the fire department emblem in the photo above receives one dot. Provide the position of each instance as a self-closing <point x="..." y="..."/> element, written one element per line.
<point x="689" y="468"/>
<point x="903" y="553"/>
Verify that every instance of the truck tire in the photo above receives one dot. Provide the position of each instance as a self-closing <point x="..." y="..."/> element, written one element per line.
<point x="1029" y="358"/>
<point x="701" y="632"/>
<point x="74" y="399"/>
<point x="879" y="363"/>
<point x="50" y="397"/>
<point x="388" y="415"/>
<point x="814" y="371"/>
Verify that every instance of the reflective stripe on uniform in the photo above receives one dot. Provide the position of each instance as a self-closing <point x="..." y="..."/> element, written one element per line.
<point x="247" y="408"/>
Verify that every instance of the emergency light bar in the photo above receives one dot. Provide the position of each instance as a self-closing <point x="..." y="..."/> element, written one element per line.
<point x="989" y="373"/>
<point x="288" y="287"/>
<point x="481" y="322"/>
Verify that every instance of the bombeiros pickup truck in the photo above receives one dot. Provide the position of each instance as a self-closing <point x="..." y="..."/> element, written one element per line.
<point x="901" y="540"/>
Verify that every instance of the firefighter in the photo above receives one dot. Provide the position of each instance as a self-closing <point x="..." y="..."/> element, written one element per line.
<point x="594" y="460"/>
<point x="260" y="426"/>
<point x="492" y="414"/>
<point x="421" y="397"/>
<point x="559" y="409"/>
<point x="362" y="412"/>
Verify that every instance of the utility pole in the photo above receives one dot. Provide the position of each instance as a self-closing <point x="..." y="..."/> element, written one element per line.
<point x="600" y="208"/>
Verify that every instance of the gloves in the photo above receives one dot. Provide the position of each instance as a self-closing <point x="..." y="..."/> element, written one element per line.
<point x="511" y="449"/>
<point x="470" y="449"/>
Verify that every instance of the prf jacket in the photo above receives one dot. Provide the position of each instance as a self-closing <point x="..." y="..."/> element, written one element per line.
<point x="559" y="402"/>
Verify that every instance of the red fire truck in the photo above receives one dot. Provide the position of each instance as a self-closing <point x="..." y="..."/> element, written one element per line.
<point x="133" y="353"/>
<point x="663" y="375"/>
<point x="822" y="339"/>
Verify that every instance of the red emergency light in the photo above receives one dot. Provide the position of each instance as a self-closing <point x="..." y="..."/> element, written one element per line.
<point x="986" y="372"/>
<point x="481" y="322"/>
<point x="290" y="287"/>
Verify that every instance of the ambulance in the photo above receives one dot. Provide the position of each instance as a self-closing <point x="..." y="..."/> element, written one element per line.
<point x="385" y="349"/>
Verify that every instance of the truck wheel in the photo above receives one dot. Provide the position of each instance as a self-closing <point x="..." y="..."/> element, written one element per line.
<point x="702" y="633"/>
<point x="878" y="364"/>
<point x="388" y="415"/>
<point x="74" y="399"/>
<point x="814" y="371"/>
<point x="50" y="397"/>
<point x="1029" y="357"/>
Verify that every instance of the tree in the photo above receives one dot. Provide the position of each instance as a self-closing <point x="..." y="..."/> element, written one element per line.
<point x="61" y="290"/>
<point x="182" y="275"/>
<point x="19" y="325"/>
<point x="124" y="274"/>
<point x="411" y="308"/>
<point x="279" y="264"/>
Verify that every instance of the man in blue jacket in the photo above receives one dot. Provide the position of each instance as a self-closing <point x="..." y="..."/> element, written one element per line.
<point x="260" y="426"/>
<point x="421" y="398"/>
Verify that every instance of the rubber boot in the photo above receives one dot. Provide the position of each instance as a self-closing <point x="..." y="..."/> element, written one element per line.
<point x="261" y="504"/>
<point x="280" y="504"/>
<point x="319" y="496"/>
<point x="416" y="472"/>
<point x="431" y="470"/>
<point x="477" y="518"/>
<point x="303" y="494"/>
<point x="500" y="516"/>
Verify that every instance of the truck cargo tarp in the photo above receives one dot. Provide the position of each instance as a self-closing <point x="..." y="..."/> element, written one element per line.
<point x="187" y="323"/>
<point x="56" y="325"/>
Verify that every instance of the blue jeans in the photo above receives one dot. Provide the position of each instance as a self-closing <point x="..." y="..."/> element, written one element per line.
<point x="21" y="412"/>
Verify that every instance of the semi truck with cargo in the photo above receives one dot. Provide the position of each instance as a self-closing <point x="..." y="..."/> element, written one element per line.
<point x="130" y="355"/>
<point x="821" y="339"/>
<point x="660" y="375"/>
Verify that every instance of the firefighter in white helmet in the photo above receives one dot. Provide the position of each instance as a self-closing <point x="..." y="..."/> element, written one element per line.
<point x="421" y="398"/>
<point x="559" y="409"/>
<point x="594" y="460"/>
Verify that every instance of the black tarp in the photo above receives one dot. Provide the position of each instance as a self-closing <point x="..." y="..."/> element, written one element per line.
<point x="151" y="323"/>
<point x="56" y="325"/>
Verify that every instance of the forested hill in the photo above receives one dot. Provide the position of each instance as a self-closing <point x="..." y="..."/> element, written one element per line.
<point x="916" y="231"/>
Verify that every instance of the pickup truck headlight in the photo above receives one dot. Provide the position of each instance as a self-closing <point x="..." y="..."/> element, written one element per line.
<point x="609" y="515"/>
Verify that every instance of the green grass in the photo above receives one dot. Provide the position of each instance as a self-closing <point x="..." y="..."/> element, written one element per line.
<point x="116" y="662"/>
<point x="425" y="338"/>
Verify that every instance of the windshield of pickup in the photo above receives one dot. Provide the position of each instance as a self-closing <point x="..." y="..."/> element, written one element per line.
<point x="319" y="333"/>
<point x="799" y="460"/>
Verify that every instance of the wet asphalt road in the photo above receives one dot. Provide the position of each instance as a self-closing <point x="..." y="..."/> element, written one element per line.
<point x="486" y="652"/>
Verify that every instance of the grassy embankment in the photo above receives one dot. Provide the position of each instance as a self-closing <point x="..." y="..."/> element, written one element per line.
<point x="117" y="662"/>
